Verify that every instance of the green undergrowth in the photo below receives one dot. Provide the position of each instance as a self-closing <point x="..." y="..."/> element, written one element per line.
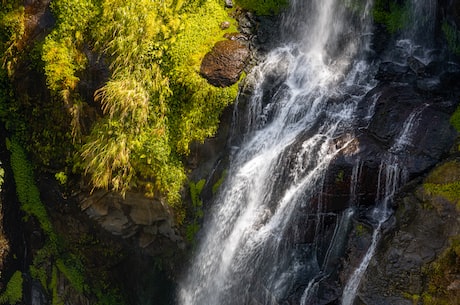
<point x="134" y="131"/>
<point x="391" y="14"/>
<point x="263" y="7"/>
<point x="197" y="207"/>
<point x="55" y="257"/>
<point x="442" y="276"/>
<point x="455" y="119"/>
<point x="13" y="291"/>
<point x="444" y="181"/>
<point x="452" y="35"/>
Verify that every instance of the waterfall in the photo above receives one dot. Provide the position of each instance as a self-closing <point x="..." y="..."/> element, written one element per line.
<point x="392" y="175"/>
<point x="253" y="249"/>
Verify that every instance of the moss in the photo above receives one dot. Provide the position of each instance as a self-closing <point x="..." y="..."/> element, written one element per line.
<point x="263" y="7"/>
<point x="73" y="271"/>
<point x="442" y="273"/>
<point x="13" y="292"/>
<point x="27" y="191"/>
<point x="455" y="119"/>
<point x="219" y="182"/>
<point x="452" y="36"/>
<point x="445" y="181"/>
<point x="391" y="14"/>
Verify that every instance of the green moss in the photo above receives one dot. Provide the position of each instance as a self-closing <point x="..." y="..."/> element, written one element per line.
<point x="196" y="106"/>
<point x="452" y="36"/>
<point x="263" y="7"/>
<point x="219" y="182"/>
<point x="73" y="271"/>
<point x="391" y="14"/>
<point x="27" y="192"/>
<point x="445" y="181"/>
<point x="13" y="292"/>
<point x="442" y="273"/>
<point x="455" y="119"/>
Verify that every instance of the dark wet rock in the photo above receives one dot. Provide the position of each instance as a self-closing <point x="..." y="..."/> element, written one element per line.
<point x="422" y="229"/>
<point x="393" y="72"/>
<point x="130" y="215"/>
<point x="223" y="65"/>
<point x="416" y="66"/>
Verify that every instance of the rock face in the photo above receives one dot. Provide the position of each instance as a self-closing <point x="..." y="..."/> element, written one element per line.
<point x="424" y="224"/>
<point x="223" y="66"/>
<point x="135" y="216"/>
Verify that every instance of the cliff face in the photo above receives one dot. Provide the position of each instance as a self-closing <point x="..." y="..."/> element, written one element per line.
<point x="132" y="249"/>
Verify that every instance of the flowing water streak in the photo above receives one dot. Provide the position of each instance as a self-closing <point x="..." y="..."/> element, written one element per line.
<point x="391" y="174"/>
<point x="246" y="255"/>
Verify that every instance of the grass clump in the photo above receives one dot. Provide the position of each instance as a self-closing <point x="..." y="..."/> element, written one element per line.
<point x="13" y="292"/>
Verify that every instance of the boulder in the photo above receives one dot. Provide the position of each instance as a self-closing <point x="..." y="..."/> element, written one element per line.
<point x="223" y="65"/>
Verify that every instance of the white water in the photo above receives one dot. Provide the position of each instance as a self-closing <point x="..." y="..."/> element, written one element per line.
<point x="253" y="249"/>
<point x="245" y="255"/>
<point x="392" y="175"/>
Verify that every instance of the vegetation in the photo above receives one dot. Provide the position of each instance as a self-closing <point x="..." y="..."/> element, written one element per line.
<point x="452" y="36"/>
<point x="219" y="182"/>
<point x="444" y="181"/>
<point x="56" y="257"/>
<point x="391" y="14"/>
<point x="13" y="292"/>
<point x="455" y="119"/>
<point x="197" y="206"/>
<point x="263" y="7"/>
<point x="442" y="274"/>
<point x="153" y="104"/>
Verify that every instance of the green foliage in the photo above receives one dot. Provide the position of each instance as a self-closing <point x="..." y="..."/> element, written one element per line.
<point x="61" y="177"/>
<point x="195" y="191"/>
<point x="197" y="206"/>
<point x="219" y="182"/>
<point x="455" y="119"/>
<point x="73" y="270"/>
<point x="445" y="181"/>
<point x="440" y="274"/>
<point x="263" y="7"/>
<point x="27" y="192"/>
<point x="390" y="13"/>
<point x="11" y="31"/>
<point x="196" y="106"/>
<point x="13" y="292"/>
<point x="452" y="36"/>
<point x="153" y="104"/>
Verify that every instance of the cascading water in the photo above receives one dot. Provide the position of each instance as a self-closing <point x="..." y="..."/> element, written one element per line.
<point x="253" y="250"/>
<point x="270" y="238"/>
<point x="392" y="175"/>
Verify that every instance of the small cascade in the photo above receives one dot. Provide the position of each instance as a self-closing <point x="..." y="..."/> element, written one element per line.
<point x="392" y="175"/>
